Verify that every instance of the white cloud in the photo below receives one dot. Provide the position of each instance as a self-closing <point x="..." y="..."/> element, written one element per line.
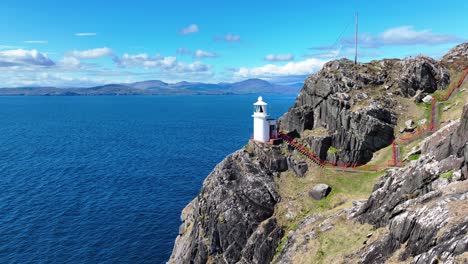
<point x="183" y="51"/>
<point x="270" y="70"/>
<point x="228" y="38"/>
<point x="330" y="54"/>
<point x="70" y="62"/>
<point x="341" y="52"/>
<point x="204" y="54"/>
<point x="92" y="53"/>
<point x="19" y="57"/>
<point x="166" y="64"/>
<point x="36" y="41"/>
<point x="279" y="57"/>
<point x="85" y="34"/>
<point x="402" y="36"/>
<point x="8" y="47"/>
<point x="193" y="28"/>
<point x="407" y="36"/>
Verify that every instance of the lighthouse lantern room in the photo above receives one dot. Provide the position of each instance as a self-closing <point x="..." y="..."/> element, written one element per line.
<point x="265" y="128"/>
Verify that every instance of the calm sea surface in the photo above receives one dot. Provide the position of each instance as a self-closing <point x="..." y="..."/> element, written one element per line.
<point x="104" y="179"/>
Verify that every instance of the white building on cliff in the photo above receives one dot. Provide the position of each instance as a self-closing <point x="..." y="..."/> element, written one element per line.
<point x="265" y="128"/>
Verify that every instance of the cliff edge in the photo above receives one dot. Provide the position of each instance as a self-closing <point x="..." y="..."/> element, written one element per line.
<point x="231" y="220"/>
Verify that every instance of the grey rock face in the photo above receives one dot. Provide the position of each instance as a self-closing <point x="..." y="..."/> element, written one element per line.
<point x="319" y="191"/>
<point x="231" y="220"/>
<point x="425" y="212"/>
<point x="457" y="57"/>
<point x="319" y="145"/>
<point x="422" y="73"/>
<point x="298" y="167"/>
<point x="359" y="124"/>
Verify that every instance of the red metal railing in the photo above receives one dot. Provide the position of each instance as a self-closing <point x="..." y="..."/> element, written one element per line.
<point x="455" y="86"/>
<point x="322" y="163"/>
<point x="302" y="149"/>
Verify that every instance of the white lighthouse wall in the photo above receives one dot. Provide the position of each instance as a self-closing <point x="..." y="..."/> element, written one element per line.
<point x="261" y="129"/>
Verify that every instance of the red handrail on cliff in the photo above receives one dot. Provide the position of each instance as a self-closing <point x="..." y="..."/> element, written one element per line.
<point x="433" y="122"/>
<point x="340" y="164"/>
<point x="455" y="86"/>
<point x="302" y="149"/>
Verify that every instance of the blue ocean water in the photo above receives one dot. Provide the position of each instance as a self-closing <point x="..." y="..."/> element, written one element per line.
<point x="104" y="179"/>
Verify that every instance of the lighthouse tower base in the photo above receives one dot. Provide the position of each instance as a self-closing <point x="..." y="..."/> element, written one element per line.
<point x="261" y="130"/>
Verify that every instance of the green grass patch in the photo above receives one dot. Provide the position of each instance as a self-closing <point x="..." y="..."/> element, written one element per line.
<point x="343" y="238"/>
<point x="247" y="148"/>
<point x="440" y="95"/>
<point x="281" y="245"/>
<point x="414" y="157"/>
<point x="332" y="150"/>
<point x="447" y="175"/>
<point x="346" y="187"/>
<point x="427" y="110"/>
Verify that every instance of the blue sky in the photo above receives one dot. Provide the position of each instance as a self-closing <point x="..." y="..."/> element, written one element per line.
<point x="85" y="43"/>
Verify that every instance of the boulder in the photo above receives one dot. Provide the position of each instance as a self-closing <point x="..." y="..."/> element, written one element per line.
<point x="419" y="96"/>
<point x="409" y="123"/>
<point x="427" y="99"/>
<point x="319" y="191"/>
<point x="298" y="167"/>
<point x="446" y="108"/>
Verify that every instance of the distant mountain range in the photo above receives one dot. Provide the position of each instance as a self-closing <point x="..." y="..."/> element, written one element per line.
<point x="155" y="87"/>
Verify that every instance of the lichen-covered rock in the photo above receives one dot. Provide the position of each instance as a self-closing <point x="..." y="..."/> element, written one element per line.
<point x="319" y="191"/>
<point x="231" y="219"/>
<point x="424" y="210"/>
<point x="299" y="167"/>
<point x="319" y="144"/>
<point x="336" y="99"/>
<point x="457" y="58"/>
<point x="422" y="73"/>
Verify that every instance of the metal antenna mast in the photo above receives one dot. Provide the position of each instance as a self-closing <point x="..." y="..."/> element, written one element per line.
<point x="355" y="56"/>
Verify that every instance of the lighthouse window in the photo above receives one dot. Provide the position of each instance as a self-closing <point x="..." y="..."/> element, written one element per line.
<point x="261" y="109"/>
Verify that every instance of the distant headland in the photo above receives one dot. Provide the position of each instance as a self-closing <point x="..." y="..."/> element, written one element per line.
<point x="156" y="87"/>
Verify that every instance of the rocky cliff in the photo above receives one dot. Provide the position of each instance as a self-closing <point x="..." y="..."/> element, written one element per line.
<point x="457" y="58"/>
<point x="231" y="220"/>
<point x="425" y="204"/>
<point x="415" y="214"/>
<point x="353" y="106"/>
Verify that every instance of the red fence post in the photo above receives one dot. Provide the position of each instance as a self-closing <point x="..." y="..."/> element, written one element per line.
<point x="432" y="114"/>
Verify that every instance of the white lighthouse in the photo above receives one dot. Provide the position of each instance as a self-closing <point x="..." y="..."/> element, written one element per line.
<point x="264" y="127"/>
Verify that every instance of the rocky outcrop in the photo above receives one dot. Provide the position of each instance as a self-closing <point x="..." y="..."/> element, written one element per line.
<point x="319" y="191"/>
<point x="425" y="203"/>
<point x="231" y="220"/>
<point x="422" y="73"/>
<point x="457" y="58"/>
<point x="337" y="99"/>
